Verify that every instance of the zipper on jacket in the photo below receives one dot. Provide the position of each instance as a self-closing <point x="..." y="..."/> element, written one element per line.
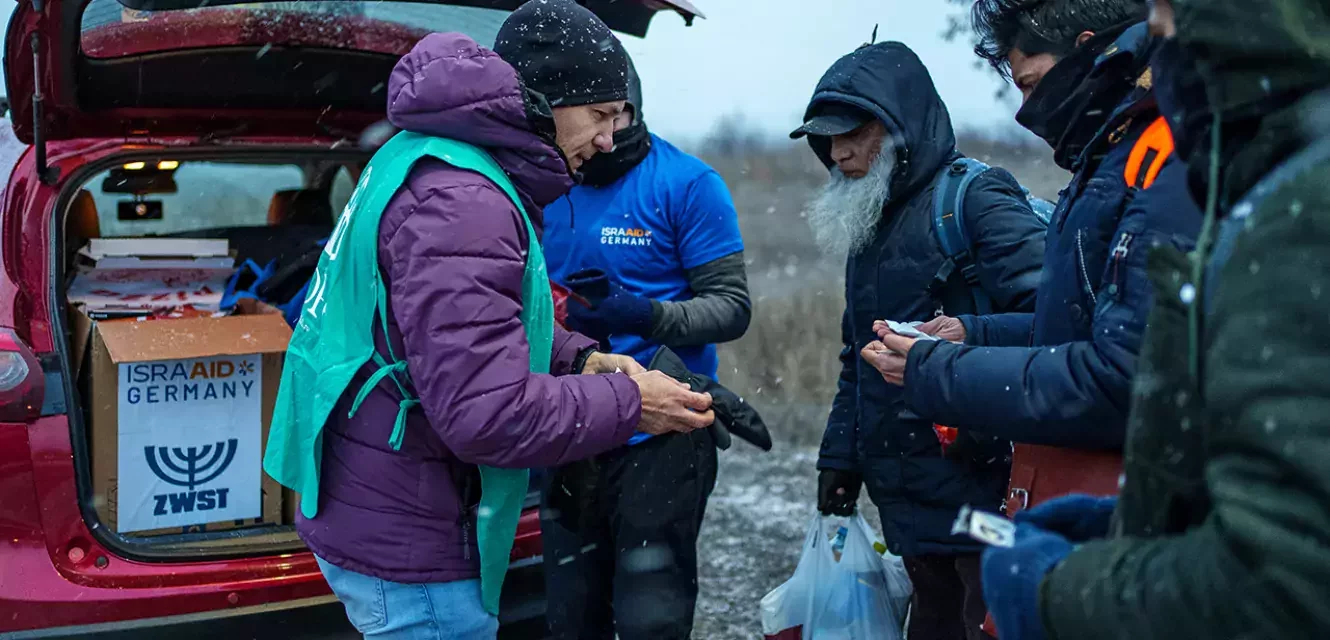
<point x="1120" y="253"/>
<point x="1080" y="260"/>
<point x="466" y="538"/>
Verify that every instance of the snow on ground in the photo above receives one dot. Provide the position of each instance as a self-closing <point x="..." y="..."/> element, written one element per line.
<point x="753" y="533"/>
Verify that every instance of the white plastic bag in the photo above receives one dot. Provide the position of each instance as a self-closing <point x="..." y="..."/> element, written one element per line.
<point x="841" y="590"/>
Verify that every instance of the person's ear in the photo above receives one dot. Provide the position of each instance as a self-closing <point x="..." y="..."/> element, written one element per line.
<point x="1085" y="35"/>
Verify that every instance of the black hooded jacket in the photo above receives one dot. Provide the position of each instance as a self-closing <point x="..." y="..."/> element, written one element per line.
<point x="917" y="489"/>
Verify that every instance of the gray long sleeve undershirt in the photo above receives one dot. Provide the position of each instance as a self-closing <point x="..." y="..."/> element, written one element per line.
<point x="718" y="312"/>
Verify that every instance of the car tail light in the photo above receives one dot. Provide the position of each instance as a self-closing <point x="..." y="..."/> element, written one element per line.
<point x="22" y="383"/>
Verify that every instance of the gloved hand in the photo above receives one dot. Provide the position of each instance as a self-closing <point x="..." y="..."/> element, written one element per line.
<point x="1077" y="517"/>
<point x="733" y="415"/>
<point x="1012" y="576"/>
<point x="838" y="491"/>
<point x="610" y="309"/>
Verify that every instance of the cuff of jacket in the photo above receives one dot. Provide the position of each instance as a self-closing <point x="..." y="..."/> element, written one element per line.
<point x="1055" y="608"/>
<point x="836" y="463"/>
<point x="917" y="385"/>
<point x="567" y="345"/>
<point x="974" y="329"/>
<point x="629" y="397"/>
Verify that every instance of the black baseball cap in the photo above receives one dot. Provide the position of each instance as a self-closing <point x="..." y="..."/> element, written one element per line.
<point x="833" y="119"/>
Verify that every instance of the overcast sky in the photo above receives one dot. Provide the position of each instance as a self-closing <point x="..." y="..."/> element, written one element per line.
<point x="762" y="58"/>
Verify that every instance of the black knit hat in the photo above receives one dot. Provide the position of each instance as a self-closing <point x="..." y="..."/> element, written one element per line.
<point x="564" y="52"/>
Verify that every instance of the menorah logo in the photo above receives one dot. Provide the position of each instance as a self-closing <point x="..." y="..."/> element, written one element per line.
<point x="191" y="466"/>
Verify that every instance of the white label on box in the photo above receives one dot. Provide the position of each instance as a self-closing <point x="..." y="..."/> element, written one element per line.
<point x="190" y="438"/>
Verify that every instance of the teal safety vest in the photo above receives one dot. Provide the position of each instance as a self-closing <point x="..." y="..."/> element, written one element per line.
<point x="335" y="338"/>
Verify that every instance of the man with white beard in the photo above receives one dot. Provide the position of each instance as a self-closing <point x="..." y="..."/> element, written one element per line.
<point x="878" y="124"/>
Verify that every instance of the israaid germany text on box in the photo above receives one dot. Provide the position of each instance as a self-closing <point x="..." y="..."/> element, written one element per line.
<point x="175" y="471"/>
<point x="180" y="416"/>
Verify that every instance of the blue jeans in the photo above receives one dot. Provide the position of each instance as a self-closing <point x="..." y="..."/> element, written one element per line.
<point x="392" y="610"/>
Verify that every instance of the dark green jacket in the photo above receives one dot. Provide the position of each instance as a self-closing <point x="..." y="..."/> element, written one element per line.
<point x="1223" y="526"/>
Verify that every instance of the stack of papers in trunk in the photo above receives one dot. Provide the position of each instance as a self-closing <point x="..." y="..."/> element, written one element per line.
<point x="140" y="276"/>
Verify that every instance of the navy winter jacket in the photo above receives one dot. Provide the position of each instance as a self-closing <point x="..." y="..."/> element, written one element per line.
<point x="1062" y="375"/>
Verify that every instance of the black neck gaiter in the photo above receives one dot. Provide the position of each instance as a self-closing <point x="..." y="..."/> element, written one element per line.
<point x="631" y="145"/>
<point x="1076" y="97"/>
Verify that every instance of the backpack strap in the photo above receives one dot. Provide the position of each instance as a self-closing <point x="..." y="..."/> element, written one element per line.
<point x="952" y="236"/>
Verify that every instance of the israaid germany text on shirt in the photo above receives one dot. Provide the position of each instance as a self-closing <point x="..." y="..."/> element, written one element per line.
<point x="668" y="214"/>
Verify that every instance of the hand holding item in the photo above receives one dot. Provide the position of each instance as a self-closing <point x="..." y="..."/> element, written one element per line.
<point x="890" y="362"/>
<point x="733" y="415"/>
<point x="668" y="405"/>
<point x="838" y="491"/>
<point x="1078" y="517"/>
<point x="1012" y="575"/>
<point x="945" y="327"/>
<point x="891" y="328"/>
<point x="598" y="363"/>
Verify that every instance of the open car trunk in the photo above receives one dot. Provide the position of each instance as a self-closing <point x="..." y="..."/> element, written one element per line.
<point x="136" y="374"/>
<point x="220" y="68"/>
<point x="260" y="94"/>
<point x="140" y="376"/>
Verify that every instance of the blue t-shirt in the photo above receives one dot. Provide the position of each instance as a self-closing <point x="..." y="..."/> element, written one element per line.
<point x="668" y="214"/>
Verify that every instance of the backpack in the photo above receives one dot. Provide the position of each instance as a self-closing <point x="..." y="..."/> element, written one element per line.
<point x="949" y="224"/>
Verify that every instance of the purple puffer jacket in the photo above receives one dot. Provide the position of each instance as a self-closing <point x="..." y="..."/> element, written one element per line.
<point x="452" y="249"/>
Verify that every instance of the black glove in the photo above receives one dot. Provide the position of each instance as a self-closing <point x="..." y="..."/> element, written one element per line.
<point x="838" y="491"/>
<point x="733" y="415"/>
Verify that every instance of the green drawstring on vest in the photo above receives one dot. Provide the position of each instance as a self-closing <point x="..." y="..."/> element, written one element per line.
<point x="388" y="370"/>
<point x="407" y="403"/>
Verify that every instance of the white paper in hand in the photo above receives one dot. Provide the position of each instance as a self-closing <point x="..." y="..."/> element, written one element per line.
<point x="985" y="527"/>
<point x="909" y="330"/>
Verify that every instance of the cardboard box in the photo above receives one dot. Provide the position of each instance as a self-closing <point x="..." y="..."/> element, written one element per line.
<point x="136" y="274"/>
<point x="180" y="411"/>
<point x="158" y="253"/>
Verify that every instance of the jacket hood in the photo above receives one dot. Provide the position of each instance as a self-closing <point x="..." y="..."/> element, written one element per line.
<point x="1280" y="53"/>
<point x="1256" y="79"/>
<point x="449" y="86"/>
<point x="888" y="80"/>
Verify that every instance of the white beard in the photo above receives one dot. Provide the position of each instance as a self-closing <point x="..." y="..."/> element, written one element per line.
<point x="845" y="215"/>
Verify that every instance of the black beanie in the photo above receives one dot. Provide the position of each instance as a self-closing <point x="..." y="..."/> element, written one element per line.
<point x="564" y="52"/>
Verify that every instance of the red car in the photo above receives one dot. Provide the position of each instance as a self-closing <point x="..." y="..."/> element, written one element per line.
<point x="180" y="118"/>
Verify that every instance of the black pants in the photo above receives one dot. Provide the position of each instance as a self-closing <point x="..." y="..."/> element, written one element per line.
<point x="948" y="602"/>
<point x="630" y="566"/>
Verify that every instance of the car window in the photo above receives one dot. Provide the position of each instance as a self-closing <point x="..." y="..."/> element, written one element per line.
<point x="111" y="30"/>
<point x="208" y="195"/>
